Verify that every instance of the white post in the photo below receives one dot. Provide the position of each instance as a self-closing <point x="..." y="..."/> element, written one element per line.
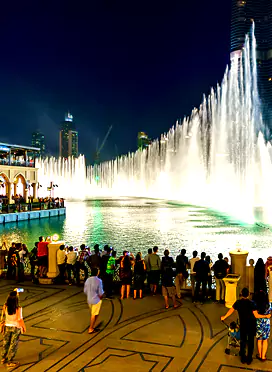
<point x="238" y="265"/>
<point x="53" y="270"/>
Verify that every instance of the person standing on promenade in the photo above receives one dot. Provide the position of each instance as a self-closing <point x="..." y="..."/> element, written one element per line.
<point x="42" y="257"/>
<point x="220" y="269"/>
<point x="245" y="308"/>
<point x="155" y="270"/>
<point x="93" y="289"/>
<point x="71" y="264"/>
<point x="61" y="259"/>
<point x="262" y="315"/>
<point x="202" y="270"/>
<point x="94" y="260"/>
<point x="208" y="259"/>
<point x="260" y="276"/>
<point x="110" y="268"/>
<point x="139" y="275"/>
<point x="106" y="279"/>
<point x="147" y="265"/>
<point x="192" y="273"/>
<point x="126" y="274"/>
<point x="33" y="259"/>
<point x="14" y="326"/>
<point x="168" y="288"/>
<point x="12" y="262"/>
<point x="182" y="263"/>
<point x="80" y="265"/>
<point x="21" y="261"/>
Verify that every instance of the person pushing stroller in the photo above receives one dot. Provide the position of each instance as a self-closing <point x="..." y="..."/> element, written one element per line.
<point x="247" y="320"/>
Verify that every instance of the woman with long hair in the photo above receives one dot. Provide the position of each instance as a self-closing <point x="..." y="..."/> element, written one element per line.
<point x="125" y="274"/>
<point x="262" y="314"/>
<point x="260" y="276"/>
<point x="14" y="326"/>
<point x="139" y="275"/>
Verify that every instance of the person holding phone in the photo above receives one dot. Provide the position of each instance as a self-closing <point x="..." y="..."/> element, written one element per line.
<point x="14" y="326"/>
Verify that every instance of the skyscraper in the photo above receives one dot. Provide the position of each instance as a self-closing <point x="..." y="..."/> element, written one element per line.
<point x="68" y="138"/>
<point x="38" y="141"/>
<point x="259" y="11"/>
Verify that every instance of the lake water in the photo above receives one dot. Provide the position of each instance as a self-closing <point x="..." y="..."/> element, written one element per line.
<point x="139" y="224"/>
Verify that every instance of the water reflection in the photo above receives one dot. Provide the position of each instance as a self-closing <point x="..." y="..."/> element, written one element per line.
<point x="139" y="224"/>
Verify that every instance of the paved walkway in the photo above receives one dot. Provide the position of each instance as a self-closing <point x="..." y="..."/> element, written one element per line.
<point x="136" y="335"/>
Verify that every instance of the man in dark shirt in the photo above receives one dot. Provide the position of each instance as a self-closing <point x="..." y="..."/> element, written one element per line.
<point x="94" y="260"/>
<point x="106" y="278"/>
<point x="168" y="288"/>
<point x="182" y="263"/>
<point x="220" y="269"/>
<point x="245" y="308"/>
<point x="202" y="270"/>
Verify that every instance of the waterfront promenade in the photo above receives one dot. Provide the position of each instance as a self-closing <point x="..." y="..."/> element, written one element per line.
<point x="138" y="335"/>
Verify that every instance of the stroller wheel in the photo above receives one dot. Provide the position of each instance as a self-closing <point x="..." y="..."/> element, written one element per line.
<point x="227" y="351"/>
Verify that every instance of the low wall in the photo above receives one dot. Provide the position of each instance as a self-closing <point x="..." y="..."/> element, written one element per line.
<point x="31" y="215"/>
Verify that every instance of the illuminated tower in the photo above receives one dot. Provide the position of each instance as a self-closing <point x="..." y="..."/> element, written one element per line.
<point x="243" y="13"/>
<point x="68" y="138"/>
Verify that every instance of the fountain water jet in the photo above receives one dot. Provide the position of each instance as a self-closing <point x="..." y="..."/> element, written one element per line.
<point x="217" y="158"/>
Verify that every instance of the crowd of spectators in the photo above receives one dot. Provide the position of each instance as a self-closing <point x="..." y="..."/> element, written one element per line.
<point x="105" y="275"/>
<point x="19" y="200"/>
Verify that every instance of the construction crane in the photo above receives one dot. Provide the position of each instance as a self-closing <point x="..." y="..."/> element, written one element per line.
<point x="100" y="148"/>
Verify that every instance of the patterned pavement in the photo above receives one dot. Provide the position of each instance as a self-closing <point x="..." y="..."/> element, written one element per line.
<point x="137" y="335"/>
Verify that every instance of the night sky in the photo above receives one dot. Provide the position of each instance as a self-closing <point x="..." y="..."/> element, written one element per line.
<point x="136" y="67"/>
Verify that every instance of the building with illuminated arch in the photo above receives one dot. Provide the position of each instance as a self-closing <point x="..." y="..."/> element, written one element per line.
<point x="18" y="172"/>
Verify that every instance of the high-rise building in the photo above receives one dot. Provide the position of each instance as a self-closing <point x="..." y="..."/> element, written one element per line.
<point x="38" y="141"/>
<point x="68" y="138"/>
<point x="244" y="12"/>
<point x="143" y="140"/>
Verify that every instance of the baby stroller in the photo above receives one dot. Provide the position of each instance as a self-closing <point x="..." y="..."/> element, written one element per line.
<point x="233" y="336"/>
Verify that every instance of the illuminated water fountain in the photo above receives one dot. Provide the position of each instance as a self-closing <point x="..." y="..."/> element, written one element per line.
<point x="216" y="158"/>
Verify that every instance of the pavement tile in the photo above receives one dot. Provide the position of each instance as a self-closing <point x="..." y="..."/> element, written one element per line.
<point x="136" y="335"/>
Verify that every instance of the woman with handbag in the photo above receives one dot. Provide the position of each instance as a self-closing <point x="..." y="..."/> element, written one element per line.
<point x="12" y="325"/>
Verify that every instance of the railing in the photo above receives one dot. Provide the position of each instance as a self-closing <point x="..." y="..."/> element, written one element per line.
<point x="28" y="207"/>
<point x="17" y="163"/>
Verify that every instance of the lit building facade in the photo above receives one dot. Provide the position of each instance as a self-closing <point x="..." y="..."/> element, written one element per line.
<point x="243" y="13"/>
<point x="18" y="172"/>
<point x="39" y="141"/>
<point x="143" y="141"/>
<point x="68" y="138"/>
<point x="73" y="143"/>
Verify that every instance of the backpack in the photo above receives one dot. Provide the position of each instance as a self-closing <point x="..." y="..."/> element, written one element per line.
<point x="13" y="259"/>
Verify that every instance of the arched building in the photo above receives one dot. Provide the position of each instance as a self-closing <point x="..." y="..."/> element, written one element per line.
<point x="18" y="174"/>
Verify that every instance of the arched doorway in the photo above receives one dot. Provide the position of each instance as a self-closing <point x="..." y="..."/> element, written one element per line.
<point x="4" y="187"/>
<point x="19" y="186"/>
